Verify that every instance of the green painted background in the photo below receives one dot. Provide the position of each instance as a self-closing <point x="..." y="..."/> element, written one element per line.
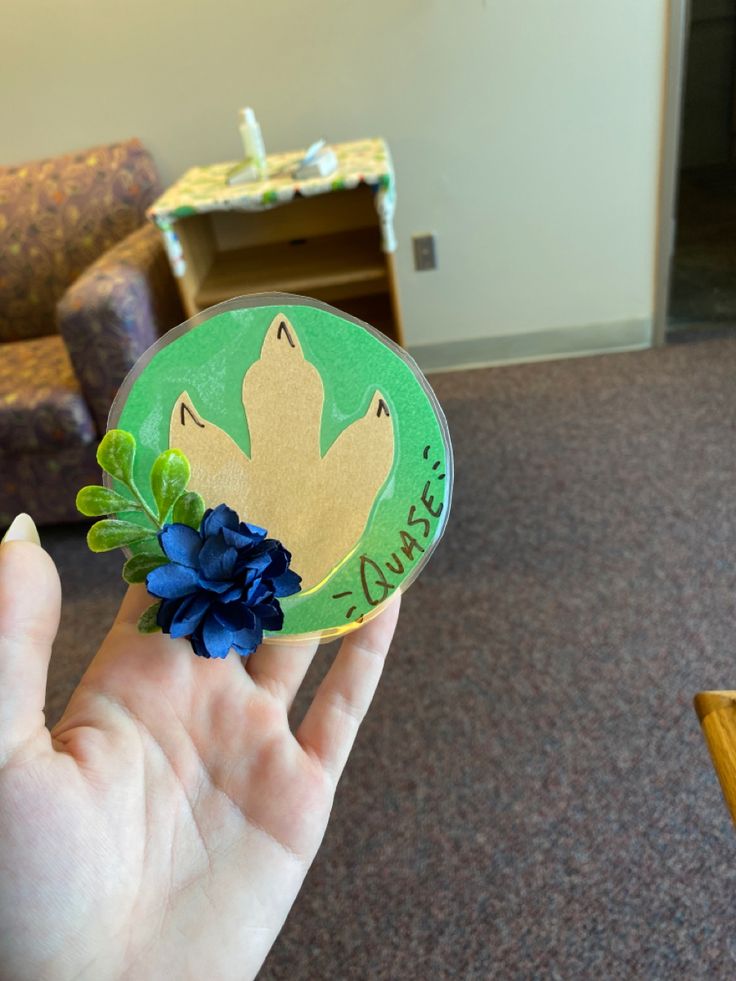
<point x="209" y="362"/>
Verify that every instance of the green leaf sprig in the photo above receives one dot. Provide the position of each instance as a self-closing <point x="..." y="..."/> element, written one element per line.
<point x="169" y="477"/>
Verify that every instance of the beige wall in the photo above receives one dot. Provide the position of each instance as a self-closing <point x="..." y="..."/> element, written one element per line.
<point x="525" y="134"/>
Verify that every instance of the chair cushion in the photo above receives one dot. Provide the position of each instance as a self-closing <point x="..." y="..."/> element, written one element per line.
<point x="56" y="217"/>
<point x="46" y="484"/>
<point x="117" y="308"/>
<point x="41" y="406"/>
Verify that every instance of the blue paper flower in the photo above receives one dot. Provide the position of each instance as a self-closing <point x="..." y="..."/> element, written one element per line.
<point x="221" y="585"/>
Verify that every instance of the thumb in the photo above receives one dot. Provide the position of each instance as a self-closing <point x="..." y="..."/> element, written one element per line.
<point x="30" y="605"/>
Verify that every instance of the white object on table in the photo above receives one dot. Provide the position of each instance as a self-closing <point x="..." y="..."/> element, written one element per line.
<point x="320" y="160"/>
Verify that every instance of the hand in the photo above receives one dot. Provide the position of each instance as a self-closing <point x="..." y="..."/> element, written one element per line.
<point x="164" y="826"/>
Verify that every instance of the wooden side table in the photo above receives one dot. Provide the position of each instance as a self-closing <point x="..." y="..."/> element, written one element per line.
<point x="330" y="238"/>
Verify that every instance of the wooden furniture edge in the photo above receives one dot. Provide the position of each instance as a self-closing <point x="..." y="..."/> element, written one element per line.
<point x="717" y="714"/>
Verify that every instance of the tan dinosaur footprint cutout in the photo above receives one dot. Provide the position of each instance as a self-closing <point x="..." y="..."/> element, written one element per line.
<point x="318" y="506"/>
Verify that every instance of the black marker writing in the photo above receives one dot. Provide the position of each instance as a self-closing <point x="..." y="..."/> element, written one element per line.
<point x="285" y="329"/>
<point x="195" y="420"/>
<point x="429" y="502"/>
<point x="412" y="520"/>
<point x="375" y="589"/>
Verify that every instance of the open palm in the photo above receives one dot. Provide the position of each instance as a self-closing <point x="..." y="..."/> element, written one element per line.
<point x="165" y="825"/>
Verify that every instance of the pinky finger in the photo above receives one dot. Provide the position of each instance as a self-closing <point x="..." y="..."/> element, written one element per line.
<point x="342" y="700"/>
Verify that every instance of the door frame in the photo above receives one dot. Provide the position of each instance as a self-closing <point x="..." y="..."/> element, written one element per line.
<point x="677" y="26"/>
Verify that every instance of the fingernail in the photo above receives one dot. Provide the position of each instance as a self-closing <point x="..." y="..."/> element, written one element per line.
<point x="22" y="529"/>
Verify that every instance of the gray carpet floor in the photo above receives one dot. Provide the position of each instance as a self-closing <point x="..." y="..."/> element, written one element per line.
<point x="531" y="796"/>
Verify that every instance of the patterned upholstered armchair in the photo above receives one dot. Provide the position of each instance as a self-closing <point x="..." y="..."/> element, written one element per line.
<point x="85" y="288"/>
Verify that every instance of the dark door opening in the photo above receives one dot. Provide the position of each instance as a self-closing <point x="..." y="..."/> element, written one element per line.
<point x="702" y="293"/>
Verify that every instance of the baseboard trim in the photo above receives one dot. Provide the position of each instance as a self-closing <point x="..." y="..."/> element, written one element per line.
<point x="541" y="345"/>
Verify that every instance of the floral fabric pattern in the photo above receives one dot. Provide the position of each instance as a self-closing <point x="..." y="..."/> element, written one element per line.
<point x="116" y="310"/>
<point x="56" y="217"/>
<point x="46" y="484"/>
<point x="41" y="405"/>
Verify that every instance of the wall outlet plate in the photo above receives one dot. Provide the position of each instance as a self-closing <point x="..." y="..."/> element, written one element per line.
<point x="425" y="256"/>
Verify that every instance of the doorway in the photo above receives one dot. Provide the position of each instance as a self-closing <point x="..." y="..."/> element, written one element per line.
<point x="701" y="298"/>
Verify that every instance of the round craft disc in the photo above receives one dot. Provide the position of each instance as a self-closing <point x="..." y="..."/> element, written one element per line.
<point x="312" y="425"/>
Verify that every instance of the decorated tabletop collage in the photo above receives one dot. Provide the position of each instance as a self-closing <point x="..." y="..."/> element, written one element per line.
<point x="274" y="469"/>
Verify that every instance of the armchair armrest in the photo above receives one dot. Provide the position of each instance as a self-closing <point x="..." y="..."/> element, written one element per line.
<point x="116" y="309"/>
